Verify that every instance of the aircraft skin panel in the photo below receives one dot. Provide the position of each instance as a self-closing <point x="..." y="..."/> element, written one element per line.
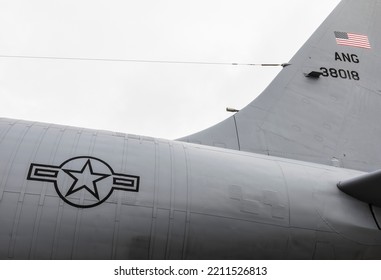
<point x="76" y="193"/>
<point x="72" y="193"/>
<point x="324" y="119"/>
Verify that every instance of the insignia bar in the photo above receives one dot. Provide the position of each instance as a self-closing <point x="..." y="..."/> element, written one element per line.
<point x="83" y="182"/>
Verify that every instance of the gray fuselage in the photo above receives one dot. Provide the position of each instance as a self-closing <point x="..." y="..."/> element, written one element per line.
<point x="192" y="201"/>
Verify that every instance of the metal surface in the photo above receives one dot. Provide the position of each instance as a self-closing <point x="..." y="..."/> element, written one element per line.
<point x="74" y="193"/>
<point x="318" y="120"/>
<point x="366" y="188"/>
<point x="193" y="202"/>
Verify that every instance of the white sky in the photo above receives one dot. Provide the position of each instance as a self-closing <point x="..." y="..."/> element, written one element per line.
<point x="160" y="100"/>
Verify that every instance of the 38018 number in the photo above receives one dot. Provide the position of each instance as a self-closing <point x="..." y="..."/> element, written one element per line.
<point x="340" y="73"/>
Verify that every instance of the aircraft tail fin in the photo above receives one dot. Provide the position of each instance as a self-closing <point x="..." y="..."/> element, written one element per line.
<point x="326" y="105"/>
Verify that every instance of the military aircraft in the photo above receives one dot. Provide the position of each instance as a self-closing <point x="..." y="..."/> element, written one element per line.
<point x="291" y="176"/>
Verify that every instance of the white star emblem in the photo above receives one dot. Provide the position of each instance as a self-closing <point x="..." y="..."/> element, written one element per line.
<point x="85" y="179"/>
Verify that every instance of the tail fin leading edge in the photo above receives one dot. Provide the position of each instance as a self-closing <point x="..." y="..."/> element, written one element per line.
<point x="326" y="106"/>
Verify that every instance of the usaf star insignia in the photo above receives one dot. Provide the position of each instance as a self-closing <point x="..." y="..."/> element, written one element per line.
<point x="83" y="181"/>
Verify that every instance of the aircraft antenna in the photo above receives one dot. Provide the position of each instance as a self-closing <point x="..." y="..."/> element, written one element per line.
<point x="146" y="61"/>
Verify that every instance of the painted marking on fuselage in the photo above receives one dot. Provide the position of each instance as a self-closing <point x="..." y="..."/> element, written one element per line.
<point x="347" y="57"/>
<point x="343" y="73"/>
<point x="340" y="73"/>
<point x="87" y="176"/>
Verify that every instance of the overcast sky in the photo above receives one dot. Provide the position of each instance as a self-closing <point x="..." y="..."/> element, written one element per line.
<point x="153" y="99"/>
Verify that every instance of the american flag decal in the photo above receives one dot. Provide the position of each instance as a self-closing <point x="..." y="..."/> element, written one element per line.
<point x="352" y="40"/>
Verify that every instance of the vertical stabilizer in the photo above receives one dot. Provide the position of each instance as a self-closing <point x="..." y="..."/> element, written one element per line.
<point x="326" y="106"/>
